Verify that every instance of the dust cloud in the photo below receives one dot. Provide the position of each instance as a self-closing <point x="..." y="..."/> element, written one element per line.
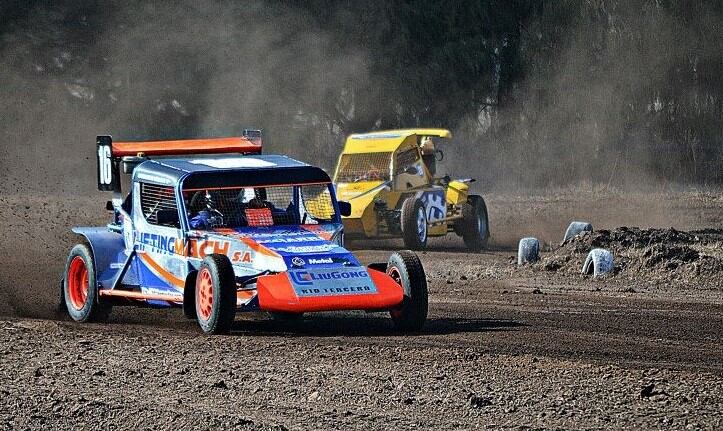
<point x="139" y="70"/>
<point x="612" y="95"/>
<point x="152" y="71"/>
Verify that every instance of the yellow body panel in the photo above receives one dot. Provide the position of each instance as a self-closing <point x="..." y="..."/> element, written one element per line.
<point x="363" y="218"/>
<point x="457" y="192"/>
<point x="387" y="140"/>
<point x="437" y="230"/>
<point x="354" y="193"/>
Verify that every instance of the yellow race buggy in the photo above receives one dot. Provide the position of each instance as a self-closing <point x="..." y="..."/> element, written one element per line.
<point x="388" y="178"/>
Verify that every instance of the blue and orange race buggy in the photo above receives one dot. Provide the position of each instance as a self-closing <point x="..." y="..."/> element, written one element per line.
<point x="214" y="227"/>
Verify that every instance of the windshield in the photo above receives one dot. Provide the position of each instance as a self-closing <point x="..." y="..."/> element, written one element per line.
<point x="354" y="168"/>
<point x="259" y="206"/>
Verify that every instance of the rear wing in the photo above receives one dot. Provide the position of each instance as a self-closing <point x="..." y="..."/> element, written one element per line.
<point x="111" y="155"/>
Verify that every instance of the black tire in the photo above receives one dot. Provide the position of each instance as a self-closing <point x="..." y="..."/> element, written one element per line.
<point x="217" y="316"/>
<point x="189" y="296"/>
<point x="474" y="226"/>
<point x="414" y="224"/>
<point x="80" y="276"/>
<point x="407" y="270"/>
<point x="62" y="307"/>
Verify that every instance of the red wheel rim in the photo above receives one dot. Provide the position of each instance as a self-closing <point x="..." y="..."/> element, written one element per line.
<point x="77" y="283"/>
<point x="204" y="294"/>
<point x="393" y="272"/>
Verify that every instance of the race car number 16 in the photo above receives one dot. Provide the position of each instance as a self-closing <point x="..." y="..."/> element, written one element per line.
<point x="105" y="173"/>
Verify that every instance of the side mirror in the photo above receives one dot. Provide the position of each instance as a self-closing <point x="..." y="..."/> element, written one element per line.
<point x="411" y="170"/>
<point x="345" y="208"/>
<point x="168" y="217"/>
<point x="439" y="155"/>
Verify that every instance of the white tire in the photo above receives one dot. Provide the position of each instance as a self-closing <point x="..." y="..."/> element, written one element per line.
<point x="575" y="228"/>
<point x="598" y="262"/>
<point x="528" y="251"/>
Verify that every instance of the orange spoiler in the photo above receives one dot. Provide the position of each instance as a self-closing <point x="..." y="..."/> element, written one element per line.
<point x="187" y="146"/>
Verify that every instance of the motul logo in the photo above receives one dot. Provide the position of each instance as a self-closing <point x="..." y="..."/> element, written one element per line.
<point x="322" y="260"/>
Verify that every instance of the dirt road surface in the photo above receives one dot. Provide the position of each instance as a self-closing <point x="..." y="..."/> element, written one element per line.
<point x="504" y="348"/>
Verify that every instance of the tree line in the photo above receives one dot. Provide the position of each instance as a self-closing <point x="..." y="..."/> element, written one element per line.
<point x="539" y="93"/>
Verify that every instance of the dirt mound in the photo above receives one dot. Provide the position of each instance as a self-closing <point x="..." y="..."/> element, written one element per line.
<point x="650" y="255"/>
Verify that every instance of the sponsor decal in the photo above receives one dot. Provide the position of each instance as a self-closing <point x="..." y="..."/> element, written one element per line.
<point x="196" y="248"/>
<point x="160" y="243"/>
<point x="435" y="204"/>
<point x="302" y="278"/>
<point x="352" y="281"/>
<point x="202" y="248"/>
<point x="242" y="257"/>
<point x="290" y="240"/>
<point x="297" y="261"/>
<point x="306" y="248"/>
<point x="320" y="260"/>
<point x="277" y="234"/>
<point x="346" y="290"/>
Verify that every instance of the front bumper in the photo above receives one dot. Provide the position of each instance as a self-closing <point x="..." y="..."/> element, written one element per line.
<point x="278" y="293"/>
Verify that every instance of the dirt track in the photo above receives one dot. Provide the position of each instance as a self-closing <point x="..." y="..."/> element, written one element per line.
<point x="503" y="348"/>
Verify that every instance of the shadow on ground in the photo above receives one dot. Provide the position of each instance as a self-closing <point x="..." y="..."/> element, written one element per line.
<point x="332" y="326"/>
<point x="351" y="324"/>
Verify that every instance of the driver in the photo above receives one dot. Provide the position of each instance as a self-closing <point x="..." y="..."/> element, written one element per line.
<point x="426" y="145"/>
<point x="373" y="174"/>
<point x="255" y="217"/>
<point x="259" y="200"/>
<point x="208" y="217"/>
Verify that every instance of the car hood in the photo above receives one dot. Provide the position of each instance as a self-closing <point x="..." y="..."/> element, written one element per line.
<point x="304" y="246"/>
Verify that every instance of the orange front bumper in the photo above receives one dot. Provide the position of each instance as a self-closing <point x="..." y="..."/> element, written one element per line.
<point x="276" y="293"/>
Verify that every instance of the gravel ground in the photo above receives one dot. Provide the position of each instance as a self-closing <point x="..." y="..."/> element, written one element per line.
<point x="61" y="375"/>
<point x="504" y="348"/>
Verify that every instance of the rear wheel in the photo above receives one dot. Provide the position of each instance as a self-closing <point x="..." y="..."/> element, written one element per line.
<point x="406" y="269"/>
<point x="80" y="288"/>
<point x="474" y="226"/>
<point x="414" y="224"/>
<point x="215" y="295"/>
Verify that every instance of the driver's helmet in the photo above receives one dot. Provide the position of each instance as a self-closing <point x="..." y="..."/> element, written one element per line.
<point x="209" y="201"/>
<point x="260" y="193"/>
<point x="427" y="145"/>
<point x="259" y="199"/>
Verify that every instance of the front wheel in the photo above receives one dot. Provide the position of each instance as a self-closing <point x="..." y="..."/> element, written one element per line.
<point x="215" y="295"/>
<point x="406" y="269"/>
<point x="414" y="224"/>
<point x="80" y="288"/>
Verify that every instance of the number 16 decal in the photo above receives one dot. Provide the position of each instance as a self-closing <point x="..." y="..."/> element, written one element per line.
<point x="106" y="174"/>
